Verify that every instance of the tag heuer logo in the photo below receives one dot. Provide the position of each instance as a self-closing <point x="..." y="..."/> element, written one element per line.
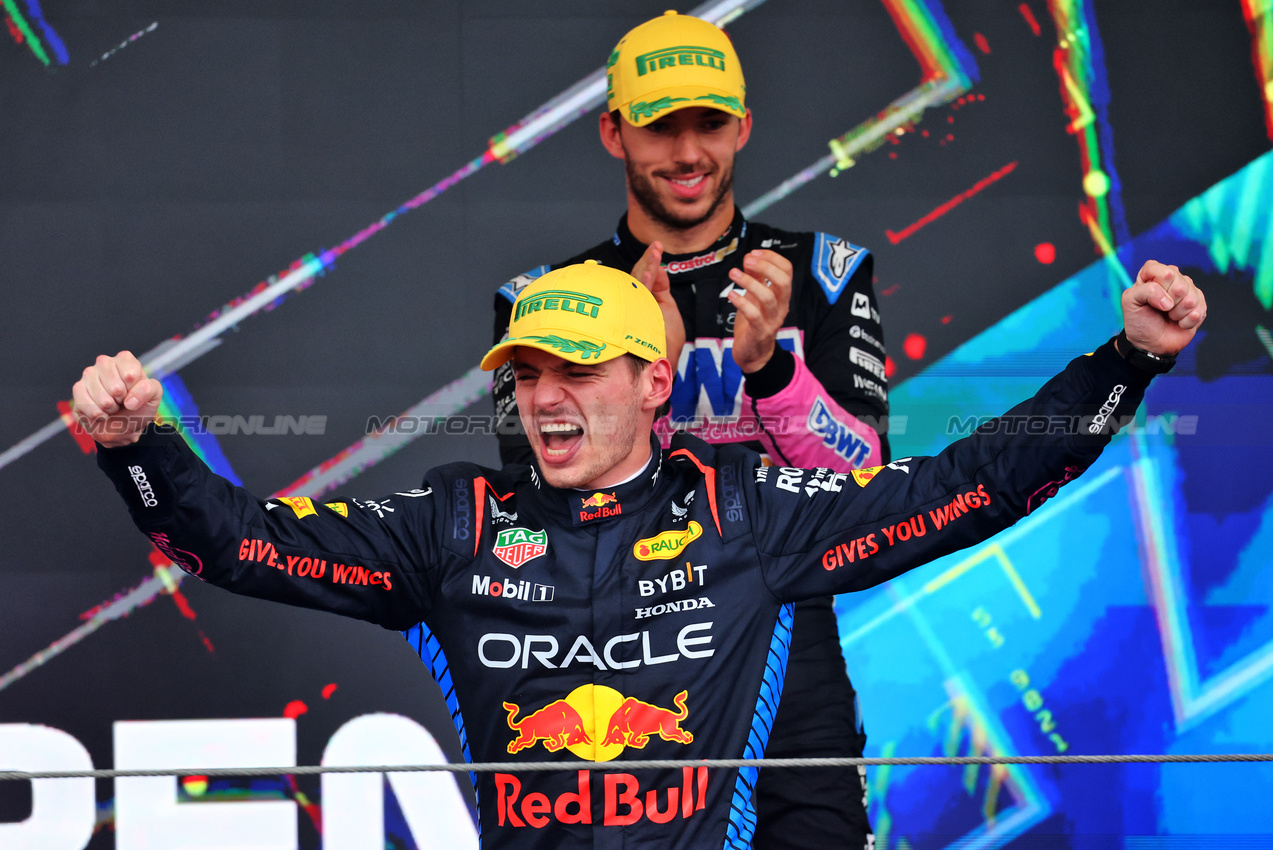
<point x="516" y="546"/>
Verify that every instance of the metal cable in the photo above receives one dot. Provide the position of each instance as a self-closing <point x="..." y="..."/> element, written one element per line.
<point x="647" y="764"/>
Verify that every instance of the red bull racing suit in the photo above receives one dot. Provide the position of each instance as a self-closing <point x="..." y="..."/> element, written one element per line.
<point x="822" y="401"/>
<point x="647" y="620"/>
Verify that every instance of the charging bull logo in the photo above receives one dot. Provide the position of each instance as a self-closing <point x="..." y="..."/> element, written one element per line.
<point x="596" y="723"/>
<point x="557" y="724"/>
<point x="635" y="721"/>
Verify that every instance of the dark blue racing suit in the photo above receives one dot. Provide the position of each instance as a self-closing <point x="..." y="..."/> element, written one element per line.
<point x="646" y="620"/>
<point x="821" y="401"/>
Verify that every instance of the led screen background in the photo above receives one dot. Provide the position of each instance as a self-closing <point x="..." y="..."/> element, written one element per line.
<point x="159" y="161"/>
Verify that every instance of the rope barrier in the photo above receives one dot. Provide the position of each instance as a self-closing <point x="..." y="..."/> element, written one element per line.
<point x="648" y="764"/>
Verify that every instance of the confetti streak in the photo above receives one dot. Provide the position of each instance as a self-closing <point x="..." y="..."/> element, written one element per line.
<point x="124" y="605"/>
<point x="1259" y="20"/>
<point x="1030" y="20"/>
<point x="1079" y="60"/>
<point x="951" y="204"/>
<point x="947" y="71"/>
<point x="1083" y="114"/>
<point x="503" y="147"/>
<point x="1266" y="339"/>
<point x="108" y="54"/>
<point x="1118" y="271"/>
<point x="27" y="34"/>
<point x="372" y="449"/>
<point x="178" y="405"/>
<point x="50" y="36"/>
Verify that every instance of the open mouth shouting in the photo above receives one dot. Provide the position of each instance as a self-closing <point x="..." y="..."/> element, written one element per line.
<point x="560" y="440"/>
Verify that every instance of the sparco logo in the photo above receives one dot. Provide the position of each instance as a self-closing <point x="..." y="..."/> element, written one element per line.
<point x="463" y="511"/>
<point x="143" y="486"/>
<point x="1106" y="409"/>
<point x="729" y="490"/>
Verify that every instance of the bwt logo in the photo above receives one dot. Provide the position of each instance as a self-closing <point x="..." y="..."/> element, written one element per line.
<point x="837" y="436"/>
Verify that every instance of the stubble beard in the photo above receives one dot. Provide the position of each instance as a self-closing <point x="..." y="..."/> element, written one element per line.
<point x="648" y="199"/>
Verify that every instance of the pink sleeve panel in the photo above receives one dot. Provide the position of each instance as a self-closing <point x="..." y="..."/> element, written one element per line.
<point x="805" y="427"/>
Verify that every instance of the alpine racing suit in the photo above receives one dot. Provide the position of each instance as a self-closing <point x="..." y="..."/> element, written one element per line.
<point x="647" y="620"/>
<point x="821" y="401"/>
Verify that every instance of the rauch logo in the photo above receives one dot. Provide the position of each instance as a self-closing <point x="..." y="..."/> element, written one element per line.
<point x="667" y="545"/>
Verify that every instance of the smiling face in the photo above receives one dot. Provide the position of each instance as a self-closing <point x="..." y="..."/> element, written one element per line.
<point x="589" y="425"/>
<point x="680" y="170"/>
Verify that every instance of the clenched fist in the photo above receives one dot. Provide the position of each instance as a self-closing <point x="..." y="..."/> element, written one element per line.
<point x="1163" y="309"/>
<point x="114" y="400"/>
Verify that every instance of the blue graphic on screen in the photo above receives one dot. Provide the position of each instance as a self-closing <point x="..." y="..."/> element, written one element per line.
<point x="1130" y="614"/>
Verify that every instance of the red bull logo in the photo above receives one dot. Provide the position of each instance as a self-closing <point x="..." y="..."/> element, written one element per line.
<point x="603" y="505"/>
<point x="635" y="721"/>
<point x="624" y="801"/>
<point x="557" y="724"/>
<point x="596" y="723"/>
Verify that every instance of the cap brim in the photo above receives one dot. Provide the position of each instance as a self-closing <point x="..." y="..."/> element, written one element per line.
<point x="681" y="97"/>
<point x="578" y="348"/>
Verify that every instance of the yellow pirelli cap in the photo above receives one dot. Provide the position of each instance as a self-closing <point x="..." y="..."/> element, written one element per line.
<point x="670" y="63"/>
<point x="586" y="313"/>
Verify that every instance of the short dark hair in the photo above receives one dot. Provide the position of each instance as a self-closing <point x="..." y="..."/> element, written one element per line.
<point x="638" y="366"/>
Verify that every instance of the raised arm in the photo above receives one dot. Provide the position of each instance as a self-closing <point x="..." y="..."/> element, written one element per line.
<point x="836" y="533"/>
<point x="377" y="560"/>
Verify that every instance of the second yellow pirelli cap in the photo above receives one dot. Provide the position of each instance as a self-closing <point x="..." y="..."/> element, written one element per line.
<point x="672" y="62"/>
